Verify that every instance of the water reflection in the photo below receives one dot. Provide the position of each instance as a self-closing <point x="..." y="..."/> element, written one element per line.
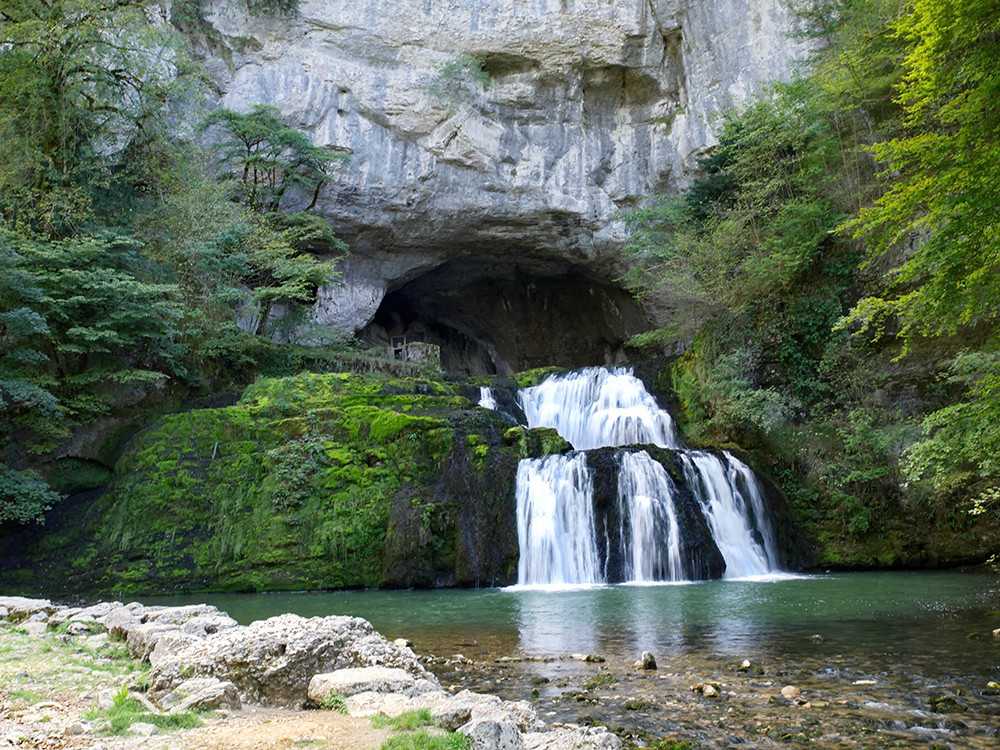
<point x="920" y="621"/>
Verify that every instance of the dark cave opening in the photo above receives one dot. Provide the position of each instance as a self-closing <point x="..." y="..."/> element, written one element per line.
<point x="501" y="318"/>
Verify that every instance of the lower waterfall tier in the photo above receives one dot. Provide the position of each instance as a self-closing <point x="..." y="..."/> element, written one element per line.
<point x="648" y="514"/>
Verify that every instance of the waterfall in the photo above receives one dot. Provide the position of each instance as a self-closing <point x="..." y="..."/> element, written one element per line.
<point x="649" y="537"/>
<point x="555" y="521"/>
<point x="598" y="408"/>
<point x="734" y="513"/>
<point x="646" y="499"/>
<point x="486" y="398"/>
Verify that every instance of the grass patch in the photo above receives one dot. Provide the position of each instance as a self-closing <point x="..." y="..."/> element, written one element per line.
<point x="405" y="722"/>
<point x="334" y="702"/>
<point x="125" y="712"/>
<point x="25" y="696"/>
<point x="424" y="740"/>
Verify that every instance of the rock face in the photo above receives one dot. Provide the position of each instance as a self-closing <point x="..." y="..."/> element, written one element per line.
<point x="496" y="140"/>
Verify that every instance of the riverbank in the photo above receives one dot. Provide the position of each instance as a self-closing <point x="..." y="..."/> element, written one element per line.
<point x="61" y="679"/>
<point x="112" y="675"/>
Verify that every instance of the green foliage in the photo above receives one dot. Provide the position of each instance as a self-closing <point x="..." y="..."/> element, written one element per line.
<point x="127" y="711"/>
<point x="267" y="157"/>
<point x="424" y="740"/>
<point x="460" y="80"/>
<point x="942" y="175"/>
<point x="406" y="721"/>
<point x="960" y="443"/>
<point x="24" y="496"/>
<point x="82" y="89"/>
<point x="334" y="701"/>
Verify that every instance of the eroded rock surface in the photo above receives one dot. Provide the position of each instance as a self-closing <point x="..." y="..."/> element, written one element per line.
<point x="486" y="132"/>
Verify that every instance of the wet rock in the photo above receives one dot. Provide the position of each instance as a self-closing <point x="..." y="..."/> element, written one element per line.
<point x="996" y="633"/>
<point x="349" y="682"/>
<point x="202" y="694"/>
<point x="790" y="692"/>
<point x="591" y="658"/>
<point x="272" y="661"/>
<point x="711" y="691"/>
<point x="403" y="643"/>
<point x="744" y="666"/>
<point x="648" y="660"/>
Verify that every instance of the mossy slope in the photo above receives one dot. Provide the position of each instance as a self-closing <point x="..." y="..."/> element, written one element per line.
<point x="308" y="482"/>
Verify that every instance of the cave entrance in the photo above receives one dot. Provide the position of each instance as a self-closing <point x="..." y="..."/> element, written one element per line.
<point x="496" y="319"/>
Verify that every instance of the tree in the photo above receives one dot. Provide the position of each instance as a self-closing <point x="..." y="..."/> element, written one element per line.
<point x="82" y="84"/>
<point x="268" y="157"/>
<point x="938" y="217"/>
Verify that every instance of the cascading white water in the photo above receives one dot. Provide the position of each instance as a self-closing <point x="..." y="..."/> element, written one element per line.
<point x="486" y="398"/>
<point x="555" y="521"/>
<point x="598" y="408"/>
<point x="730" y="512"/>
<point x="646" y="499"/>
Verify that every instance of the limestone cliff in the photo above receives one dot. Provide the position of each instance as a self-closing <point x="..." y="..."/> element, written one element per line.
<point x="495" y="140"/>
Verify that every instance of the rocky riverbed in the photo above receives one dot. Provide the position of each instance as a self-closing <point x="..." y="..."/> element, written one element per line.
<point x="114" y="675"/>
<point x="193" y="678"/>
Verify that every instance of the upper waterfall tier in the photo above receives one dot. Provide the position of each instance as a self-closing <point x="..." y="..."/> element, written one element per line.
<point x="599" y="408"/>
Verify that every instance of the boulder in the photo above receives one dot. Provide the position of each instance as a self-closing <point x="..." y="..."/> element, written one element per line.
<point x="119" y="621"/>
<point x="35" y="628"/>
<point x="583" y="738"/>
<point x="493" y="733"/>
<point x="207" y="624"/>
<point x="389" y="704"/>
<point x="272" y="661"/>
<point x="20" y="608"/>
<point x="648" y="660"/>
<point x="355" y="680"/>
<point x="202" y="694"/>
<point x="84" y="627"/>
<point x="180" y="615"/>
<point x="169" y="642"/>
<point x="142" y="639"/>
<point x="61" y="615"/>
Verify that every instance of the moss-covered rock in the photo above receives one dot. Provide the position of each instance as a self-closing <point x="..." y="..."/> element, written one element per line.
<point x="540" y="441"/>
<point x="308" y="482"/>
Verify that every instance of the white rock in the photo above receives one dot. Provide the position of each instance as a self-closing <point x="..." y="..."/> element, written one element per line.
<point x="582" y="738"/>
<point x="202" y="693"/>
<point x="790" y="692"/>
<point x="493" y="734"/>
<point x="273" y="661"/>
<point x="372" y="704"/>
<point x="360" y="680"/>
<point x="143" y="729"/>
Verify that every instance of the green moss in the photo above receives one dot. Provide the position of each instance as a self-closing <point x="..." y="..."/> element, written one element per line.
<point x="291" y="488"/>
<point x="540" y="441"/>
<point x="530" y="378"/>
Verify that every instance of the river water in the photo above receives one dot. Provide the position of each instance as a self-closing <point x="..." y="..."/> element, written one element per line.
<point x="882" y="659"/>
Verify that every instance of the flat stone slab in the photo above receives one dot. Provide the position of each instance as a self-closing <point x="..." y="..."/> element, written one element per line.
<point x="355" y="680"/>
